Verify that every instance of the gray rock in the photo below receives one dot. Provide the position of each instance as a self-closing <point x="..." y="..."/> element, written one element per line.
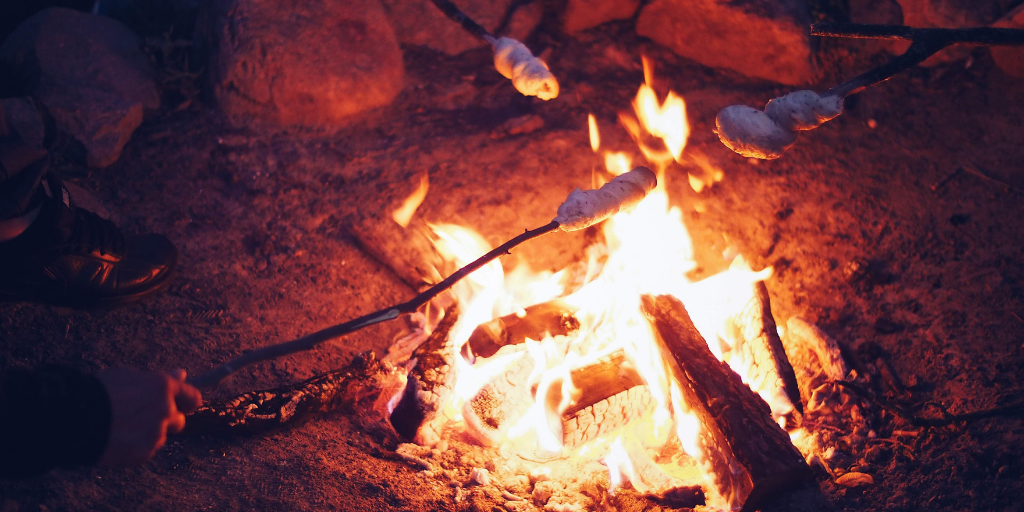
<point x="305" y="62"/>
<point x="583" y="14"/>
<point x="89" y="73"/>
<point x="767" y="39"/>
<point x="1010" y="58"/>
<point x="421" y="23"/>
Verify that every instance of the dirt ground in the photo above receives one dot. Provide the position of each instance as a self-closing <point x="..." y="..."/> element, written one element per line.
<point x="886" y="237"/>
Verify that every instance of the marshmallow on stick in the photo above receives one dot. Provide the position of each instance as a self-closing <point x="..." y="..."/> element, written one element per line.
<point x="766" y="134"/>
<point x="585" y="208"/>
<point x="529" y="74"/>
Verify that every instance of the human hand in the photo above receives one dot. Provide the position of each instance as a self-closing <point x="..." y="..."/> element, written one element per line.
<point x="146" y="407"/>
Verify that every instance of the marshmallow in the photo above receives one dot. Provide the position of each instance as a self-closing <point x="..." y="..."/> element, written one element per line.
<point x="529" y="74"/>
<point x="585" y="208"/>
<point x="766" y="134"/>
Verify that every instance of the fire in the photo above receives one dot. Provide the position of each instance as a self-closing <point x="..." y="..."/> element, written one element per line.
<point x="403" y="215"/>
<point x="644" y="251"/>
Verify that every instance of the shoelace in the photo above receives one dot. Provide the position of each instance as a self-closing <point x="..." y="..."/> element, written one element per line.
<point x="91" y="232"/>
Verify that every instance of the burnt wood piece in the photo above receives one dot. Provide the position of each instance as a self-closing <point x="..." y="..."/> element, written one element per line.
<point x="611" y="393"/>
<point x="604" y="416"/>
<point x="354" y="387"/>
<point x="408" y="252"/>
<point x="554" y="317"/>
<point x="758" y="344"/>
<point x="418" y="416"/>
<point x="815" y="355"/>
<point x="748" y="456"/>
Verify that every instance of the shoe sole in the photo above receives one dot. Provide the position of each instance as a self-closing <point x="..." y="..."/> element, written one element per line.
<point x="96" y="302"/>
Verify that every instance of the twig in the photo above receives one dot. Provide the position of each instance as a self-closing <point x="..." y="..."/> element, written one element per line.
<point x="926" y="42"/>
<point x="455" y="14"/>
<point x="1015" y="409"/>
<point x="983" y="175"/>
<point x="939" y="184"/>
<point x="214" y="376"/>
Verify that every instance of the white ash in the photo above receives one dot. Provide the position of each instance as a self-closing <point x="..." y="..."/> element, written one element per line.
<point x="767" y="134"/>
<point x="530" y="75"/>
<point x="585" y="208"/>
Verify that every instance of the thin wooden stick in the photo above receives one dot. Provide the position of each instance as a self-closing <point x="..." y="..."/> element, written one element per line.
<point x="455" y="14"/>
<point x="214" y="376"/>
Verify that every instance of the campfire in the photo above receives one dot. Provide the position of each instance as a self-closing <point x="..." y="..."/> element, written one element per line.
<point x="680" y="388"/>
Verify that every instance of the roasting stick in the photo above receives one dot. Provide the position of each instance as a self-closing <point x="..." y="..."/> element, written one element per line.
<point x="529" y="75"/>
<point x="767" y="134"/>
<point x="581" y="209"/>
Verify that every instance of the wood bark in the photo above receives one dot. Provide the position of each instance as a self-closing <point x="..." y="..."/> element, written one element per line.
<point x="555" y="318"/>
<point x="747" y="455"/>
<point x="357" y="386"/>
<point x="418" y="416"/>
<point x="758" y="345"/>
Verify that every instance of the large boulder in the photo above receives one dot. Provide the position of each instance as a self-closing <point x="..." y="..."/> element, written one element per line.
<point x="767" y="39"/>
<point x="1010" y="58"/>
<point x="89" y="73"/>
<point x="421" y="23"/>
<point x="583" y="14"/>
<point x="300" y="63"/>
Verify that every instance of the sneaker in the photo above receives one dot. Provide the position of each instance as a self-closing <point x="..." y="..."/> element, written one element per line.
<point x="73" y="257"/>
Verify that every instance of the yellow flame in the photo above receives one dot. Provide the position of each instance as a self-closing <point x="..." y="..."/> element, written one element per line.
<point x="403" y="215"/>
<point x="595" y="138"/>
<point x="617" y="163"/>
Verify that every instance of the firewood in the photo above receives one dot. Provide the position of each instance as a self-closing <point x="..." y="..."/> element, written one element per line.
<point x="610" y="394"/>
<point x="555" y="318"/>
<point x="758" y="345"/>
<point x="748" y="456"/>
<point x="356" y="386"/>
<point x="408" y="252"/>
<point x="418" y="416"/>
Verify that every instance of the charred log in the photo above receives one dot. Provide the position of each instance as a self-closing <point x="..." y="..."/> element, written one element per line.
<point x="418" y="415"/>
<point x="553" y="318"/>
<point x="758" y="345"/>
<point x="605" y="416"/>
<point x="408" y="252"/>
<point x="356" y="386"/>
<point x="749" y="457"/>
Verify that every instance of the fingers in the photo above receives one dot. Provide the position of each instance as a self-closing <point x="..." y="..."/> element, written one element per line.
<point x="186" y="397"/>
<point x="176" y="423"/>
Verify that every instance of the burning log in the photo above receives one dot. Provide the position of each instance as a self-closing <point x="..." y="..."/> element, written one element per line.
<point x="749" y="457"/>
<point x="356" y="386"/>
<point x="419" y="413"/>
<point x="759" y="345"/>
<point x="610" y="393"/>
<point x="555" y="318"/>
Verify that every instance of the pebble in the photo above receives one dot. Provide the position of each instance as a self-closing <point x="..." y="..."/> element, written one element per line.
<point x="855" y="479"/>
<point x="480" y="476"/>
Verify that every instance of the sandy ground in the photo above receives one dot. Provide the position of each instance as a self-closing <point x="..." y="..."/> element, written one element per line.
<point x="928" y="278"/>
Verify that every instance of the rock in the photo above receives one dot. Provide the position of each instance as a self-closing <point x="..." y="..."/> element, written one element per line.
<point x="767" y="39"/>
<point x="480" y="476"/>
<point x="1010" y="58"/>
<point x="89" y="73"/>
<point x="421" y="23"/>
<point x="580" y="15"/>
<point x="312" y="63"/>
<point x="949" y="14"/>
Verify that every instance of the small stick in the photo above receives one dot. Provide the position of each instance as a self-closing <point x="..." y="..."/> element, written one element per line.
<point x="580" y="209"/>
<point x="767" y="134"/>
<point x="455" y="14"/>
<point x="214" y="376"/>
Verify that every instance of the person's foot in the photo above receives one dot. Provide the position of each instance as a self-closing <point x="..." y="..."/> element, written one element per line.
<point x="73" y="257"/>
